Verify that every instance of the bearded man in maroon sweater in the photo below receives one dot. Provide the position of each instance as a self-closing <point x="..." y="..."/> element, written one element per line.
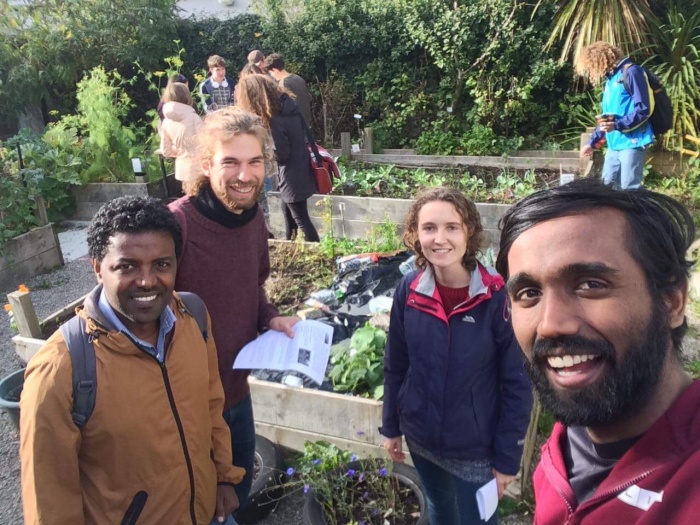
<point x="225" y="259"/>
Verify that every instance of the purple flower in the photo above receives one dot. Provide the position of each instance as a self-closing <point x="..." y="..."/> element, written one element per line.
<point x="350" y="473"/>
<point x="306" y="488"/>
<point x="362" y="476"/>
<point x="365" y="495"/>
<point x="382" y="472"/>
<point x="290" y="471"/>
<point x="360" y="433"/>
<point x="353" y="457"/>
<point x="316" y="461"/>
<point x="375" y="512"/>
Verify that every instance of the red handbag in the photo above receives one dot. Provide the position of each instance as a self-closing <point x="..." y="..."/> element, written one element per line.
<point x="323" y="168"/>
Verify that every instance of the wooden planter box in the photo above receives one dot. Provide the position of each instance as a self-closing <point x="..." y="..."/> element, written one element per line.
<point x="90" y="197"/>
<point x="28" y="255"/>
<point x="353" y="217"/>
<point x="289" y="416"/>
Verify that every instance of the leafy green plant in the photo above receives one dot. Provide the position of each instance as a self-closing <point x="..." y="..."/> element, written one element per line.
<point x="675" y="47"/>
<point x="360" y="368"/>
<point x="693" y="368"/>
<point x="383" y="237"/>
<point x="16" y="208"/>
<point x="510" y="185"/>
<point x="102" y="105"/>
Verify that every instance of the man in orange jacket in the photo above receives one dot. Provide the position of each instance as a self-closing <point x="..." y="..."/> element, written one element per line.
<point x="155" y="447"/>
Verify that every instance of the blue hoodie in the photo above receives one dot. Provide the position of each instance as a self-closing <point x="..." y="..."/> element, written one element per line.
<point x="630" y="109"/>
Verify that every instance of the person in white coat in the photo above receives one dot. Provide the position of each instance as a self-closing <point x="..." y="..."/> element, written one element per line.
<point x="178" y="134"/>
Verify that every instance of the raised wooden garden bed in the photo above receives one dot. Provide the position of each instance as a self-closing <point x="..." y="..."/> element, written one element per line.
<point x="90" y="197"/>
<point x="353" y="217"/>
<point x="289" y="416"/>
<point x="28" y="255"/>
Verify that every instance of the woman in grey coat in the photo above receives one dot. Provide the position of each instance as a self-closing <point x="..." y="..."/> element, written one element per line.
<point x="261" y="95"/>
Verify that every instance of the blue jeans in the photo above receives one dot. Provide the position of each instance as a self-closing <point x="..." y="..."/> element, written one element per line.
<point x="240" y="421"/>
<point x="229" y="521"/>
<point x="624" y="169"/>
<point x="451" y="501"/>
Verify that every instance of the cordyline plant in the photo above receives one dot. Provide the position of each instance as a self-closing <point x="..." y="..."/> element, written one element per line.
<point x="351" y="492"/>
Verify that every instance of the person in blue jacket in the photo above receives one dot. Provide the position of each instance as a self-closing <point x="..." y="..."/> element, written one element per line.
<point x="624" y="122"/>
<point x="454" y="380"/>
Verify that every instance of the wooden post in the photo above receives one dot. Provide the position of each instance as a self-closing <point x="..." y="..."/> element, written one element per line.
<point x="530" y="444"/>
<point x="369" y="141"/>
<point x="25" y="315"/>
<point x="346" y="144"/>
<point x="41" y="212"/>
<point x="586" y="162"/>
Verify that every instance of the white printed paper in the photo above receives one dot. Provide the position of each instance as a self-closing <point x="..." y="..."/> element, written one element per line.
<point x="487" y="500"/>
<point x="307" y="352"/>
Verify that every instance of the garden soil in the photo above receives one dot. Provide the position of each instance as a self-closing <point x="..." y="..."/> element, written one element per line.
<point x="51" y="292"/>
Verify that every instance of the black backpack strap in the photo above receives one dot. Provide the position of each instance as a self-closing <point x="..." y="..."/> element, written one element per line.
<point x="197" y="309"/>
<point x="82" y="355"/>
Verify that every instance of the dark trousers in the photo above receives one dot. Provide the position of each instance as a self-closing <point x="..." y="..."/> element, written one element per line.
<point x="451" y="500"/>
<point x="296" y="216"/>
<point x="240" y="420"/>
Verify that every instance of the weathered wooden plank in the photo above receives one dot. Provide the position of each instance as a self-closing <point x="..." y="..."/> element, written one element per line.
<point x="294" y="438"/>
<point x="388" y="151"/>
<point x="66" y="311"/>
<point x="432" y="161"/>
<point x="27" y="245"/>
<point x="25" y="315"/>
<point x="572" y="154"/>
<point x="26" y="347"/>
<point x="328" y="413"/>
<point x="90" y="197"/>
<point x="21" y="271"/>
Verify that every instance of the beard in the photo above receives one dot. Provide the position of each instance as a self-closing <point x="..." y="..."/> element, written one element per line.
<point x="631" y="378"/>
<point x="235" y="205"/>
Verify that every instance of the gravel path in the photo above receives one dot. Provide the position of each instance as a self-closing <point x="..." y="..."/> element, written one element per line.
<point x="50" y="292"/>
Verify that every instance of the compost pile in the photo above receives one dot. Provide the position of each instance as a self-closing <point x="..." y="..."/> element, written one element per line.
<point x="356" y="305"/>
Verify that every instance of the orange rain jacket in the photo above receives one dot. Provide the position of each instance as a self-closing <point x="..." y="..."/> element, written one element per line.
<point x="155" y="428"/>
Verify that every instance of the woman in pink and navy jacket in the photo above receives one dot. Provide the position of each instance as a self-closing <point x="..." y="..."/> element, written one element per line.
<point x="454" y="382"/>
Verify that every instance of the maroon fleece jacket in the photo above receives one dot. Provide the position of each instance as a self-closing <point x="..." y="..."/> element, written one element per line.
<point x="664" y="461"/>
<point x="227" y="268"/>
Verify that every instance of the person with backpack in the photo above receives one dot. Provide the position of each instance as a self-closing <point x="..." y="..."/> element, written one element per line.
<point x="624" y="124"/>
<point x="121" y="413"/>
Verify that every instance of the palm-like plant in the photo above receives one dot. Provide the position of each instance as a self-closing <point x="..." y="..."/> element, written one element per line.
<point x="675" y="56"/>
<point x="623" y="23"/>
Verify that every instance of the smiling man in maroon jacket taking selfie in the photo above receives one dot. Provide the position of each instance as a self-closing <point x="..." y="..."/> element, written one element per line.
<point x="598" y="284"/>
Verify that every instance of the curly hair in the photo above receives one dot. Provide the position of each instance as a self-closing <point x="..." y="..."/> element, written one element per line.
<point x="259" y="94"/>
<point x="222" y="126"/>
<point x="597" y="59"/>
<point x="130" y="214"/>
<point x="466" y="209"/>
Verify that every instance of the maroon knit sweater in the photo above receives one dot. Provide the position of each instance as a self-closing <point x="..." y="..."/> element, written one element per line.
<point x="227" y="268"/>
